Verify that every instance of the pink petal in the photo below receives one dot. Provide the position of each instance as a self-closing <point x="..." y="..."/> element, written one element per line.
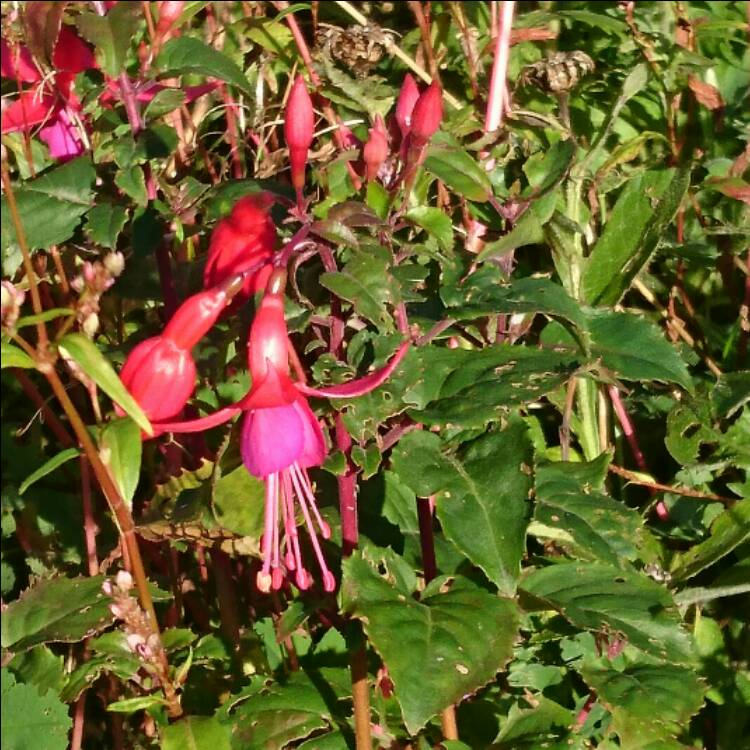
<point x="272" y="439"/>
<point x="62" y="138"/>
<point x="71" y="53"/>
<point x="200" y="424"/>
<point x="360" y="386"/>
<point x="26" y="111"/>
<point x="314" y="443"/>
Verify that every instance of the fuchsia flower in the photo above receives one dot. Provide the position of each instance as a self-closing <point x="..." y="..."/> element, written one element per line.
<point x="299" y="127"/>
<point x="426" y="115"/>
<point x="281" y="439"/>
<point x="375" y="151"/>
<point x="56" y="106"/>
<point x="160" y="371"/>
<point x="407" y="98"/>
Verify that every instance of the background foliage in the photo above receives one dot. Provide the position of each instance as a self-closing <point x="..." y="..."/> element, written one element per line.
<point x="575" y="406"/>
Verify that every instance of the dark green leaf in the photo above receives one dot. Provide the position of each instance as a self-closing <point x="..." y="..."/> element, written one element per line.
<point x="457" y="169"/>
<point x="597" y="596"/>
<point x="32" y="721"/>
<point x="731" y="392"/>
<point x="454" y="641"/>
<point x="196" y="733"/>
<point x="481" y="495"/>
<point x="111" y="34"/>
<point x="187" y="54"/>
<point x="548" y="169"/>
<point x="104" y="222"/>
<point x="85" y="354"/>
<point x="641" y="215"/>
<point x="434" y="221"/>
<point x="533" y="727"/>
<point x="47" y="467"/>
<point x="132" y="182"/>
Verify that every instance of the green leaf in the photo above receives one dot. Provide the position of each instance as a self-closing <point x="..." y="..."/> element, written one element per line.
<point x="642" y="213"/>
<point x="481" y="494"/>
<point x="131" y="705"/>
<point x="39" y="667"/>
<point x="479" y="386"/>
<point x="689" y="429"/>
<point x="546" y="169"/>
<point x="56" y="609"/>
<point x="457" y="169"/>
<point x="635" y="349"/>
<point x="196" y="733"/>
<point x="133" y="183"/>
<point x="533" y="727"/>
<point x="527" y="295"/>
<point x="569" y="498"/>
<point x="272" y="716"/>
<point x="238" y="500"/>
<point x="434" y="221"/>
<point x="32" y="721"/>
<point x="44" y="317"/>
<point x="120" y="448"/>
<point x="13" y="356"/>
<point x="85" y="354"/>
<point x="166" y="100"/>
<point x="335" y="232"/>
<point x="731" y="392"/>
<point x="455" y="642"/>
<point x="658" y="697"/>
<point x="47" y="467"/>
<point x="600" y="20"/>
<point x="104" y="222"/>
<point x="49" y="207"/>
<point x="187" y="54"/>
<point x="728" y="531"/>
<point x="111" y="34"/>
<point x="597" y="596"/>
<point x="366" y="283"/>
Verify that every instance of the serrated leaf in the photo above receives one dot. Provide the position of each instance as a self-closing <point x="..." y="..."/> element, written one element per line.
<point x="32" y="721"/>
<point x="643" y="211"/>
<point x="729" y="530"/>
<point x="597" y="596"/>
<point x="238" y="501"/>
<point x="601" y="528"/>
<point x="111" y="34"/>
<point x="104" y="222"/>
<point x="272" y="715"/>
<point x="47" y="467"/>
<point x="434" y="221"/>
<point x="56" y="609"/>
<point x="133" y="183"/>
<point x="366" y="284"/>
<point x="49" y="207"/>
<point x="86" y="355"/>
<point x="635" y="349"/>
<point x="481" y="494"/>
<point x="731" y="392"/>
<point x="456" y="641"/>
<point x="13" y="356"/>
<point x="187" y="54"/>
<point x="120" y="448"/>
<point x="457" y="169"/>
<point x="533" y="727"/>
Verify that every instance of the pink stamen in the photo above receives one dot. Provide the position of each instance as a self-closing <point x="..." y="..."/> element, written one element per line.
<point x="263" y="579"/>
<point x="329" y="582"/>
<point x="325" y="529"/>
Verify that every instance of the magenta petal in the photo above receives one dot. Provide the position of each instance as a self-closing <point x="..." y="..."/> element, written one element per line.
<point x="314" y="443"/>
<point x="360" y="386"/>
<point x="272" y="439"/>
<point x="62" y="138"/>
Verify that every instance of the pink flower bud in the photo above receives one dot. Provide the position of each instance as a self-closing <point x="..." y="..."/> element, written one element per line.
<point x="299" y="124"/>
<point x="407" y="98"/>
<point x="169" y="13"/>
<point x="195" y="317"/>
<point x="427" y="115"/>
<point x="376" y="149"/>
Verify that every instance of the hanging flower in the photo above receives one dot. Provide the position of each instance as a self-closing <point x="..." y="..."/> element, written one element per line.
<point x="299" y="127"/>
<point x="281" y="439"/>
<point x="242" y="241"/>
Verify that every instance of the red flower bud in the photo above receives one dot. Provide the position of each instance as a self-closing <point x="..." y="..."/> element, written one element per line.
<point x="160" y="376"/>
<point x="427" y="115"/>
<point x="376" y="149"/>
<point x="407" y="98"/>
<point x="195" y="317"/>
<point x="169" y="12"/>
<point x="244" y="239"/>
<point x="299" y="125"/>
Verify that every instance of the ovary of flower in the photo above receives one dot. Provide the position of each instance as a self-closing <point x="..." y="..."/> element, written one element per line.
<point x="281" y="439"/>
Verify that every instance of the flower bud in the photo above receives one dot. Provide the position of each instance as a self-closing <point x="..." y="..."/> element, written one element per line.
<point x="124" y="580"/>
<point x="427" y="115"/>
<point x="12" y="299"/>
<point x="90" y="325"/>
<point x="407" y="98"/>
<point x="195" y="317"/>
<point x="169" y="13"/>
<point x="114" y="263"/>
<point x="160" y="376"/>
<point x="376" y="149"/>
<point x="244" y="239"/>
<point x="299" y="125"/>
